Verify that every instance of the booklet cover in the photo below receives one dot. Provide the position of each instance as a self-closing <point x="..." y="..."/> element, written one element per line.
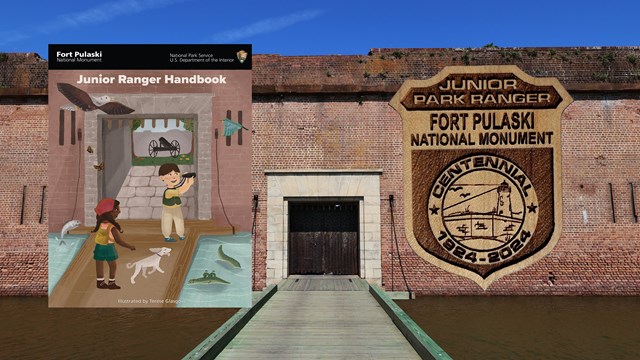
<point x="150" y="176"/>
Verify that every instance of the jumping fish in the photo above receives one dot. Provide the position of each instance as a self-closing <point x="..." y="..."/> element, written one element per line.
<point x="69" y="225"/>
<point x="227" y="258"/>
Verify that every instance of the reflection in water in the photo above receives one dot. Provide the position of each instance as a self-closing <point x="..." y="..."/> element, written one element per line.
<point x="466" y="327"/>
<point x="30" y="330"/>
<point x="513" y="327"/>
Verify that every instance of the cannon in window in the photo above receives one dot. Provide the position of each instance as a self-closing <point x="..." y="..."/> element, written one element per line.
<point x="172" y="147"/>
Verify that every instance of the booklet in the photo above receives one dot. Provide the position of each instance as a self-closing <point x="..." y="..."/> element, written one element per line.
<point x="149" y="193"/>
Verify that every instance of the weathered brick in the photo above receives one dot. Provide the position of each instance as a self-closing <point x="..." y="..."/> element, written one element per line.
<point x="324" y="112"/>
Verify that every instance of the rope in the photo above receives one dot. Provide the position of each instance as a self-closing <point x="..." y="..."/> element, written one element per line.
<point x="75" y="204"/>
<point x="254" y="233"/>
<point x="395" y="237"/>
<point x="233" y="229"/>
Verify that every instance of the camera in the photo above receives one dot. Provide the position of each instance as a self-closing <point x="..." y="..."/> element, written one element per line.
<point x="185" y="176"/>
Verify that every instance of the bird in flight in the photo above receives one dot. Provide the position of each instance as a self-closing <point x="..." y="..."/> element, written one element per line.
<point x="80" y="99"/>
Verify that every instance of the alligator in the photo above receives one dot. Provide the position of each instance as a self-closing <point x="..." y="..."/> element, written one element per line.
<point x="208" y="278"/>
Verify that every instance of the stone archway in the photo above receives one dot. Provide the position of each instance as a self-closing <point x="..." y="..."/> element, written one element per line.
<point x="283" y="185"/>
<point x="198" y="104"/>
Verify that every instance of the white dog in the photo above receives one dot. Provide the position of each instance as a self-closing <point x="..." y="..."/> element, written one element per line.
<point x="152" y="261"/>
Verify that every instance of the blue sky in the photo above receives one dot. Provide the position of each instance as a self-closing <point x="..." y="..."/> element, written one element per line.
<point x="320" y="27"/>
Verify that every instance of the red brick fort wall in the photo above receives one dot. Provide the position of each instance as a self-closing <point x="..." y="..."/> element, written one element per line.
<point x="332" y="112"/>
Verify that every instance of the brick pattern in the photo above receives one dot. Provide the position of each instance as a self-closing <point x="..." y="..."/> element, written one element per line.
<point x="325" y="132"/>
<point x="233" y="161"/>
<point x="25" y="140"/>
<point x="23" y="273"/>
<point x="23" y="162"/>
<point x="600" y="145"/>
<point x="23" y="71"/>
<point x="359" y="130"/>
<point x="387" y="69"/>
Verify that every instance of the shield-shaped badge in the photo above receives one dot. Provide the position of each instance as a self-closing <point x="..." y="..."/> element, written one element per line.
<point x="482" y="174"/>
<point x="242" y="56"/>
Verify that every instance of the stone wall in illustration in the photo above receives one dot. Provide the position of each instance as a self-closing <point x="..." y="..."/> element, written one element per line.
<point x="141" y="194"/>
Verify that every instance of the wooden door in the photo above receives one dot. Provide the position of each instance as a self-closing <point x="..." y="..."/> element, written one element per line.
<point x="323" y="238"/>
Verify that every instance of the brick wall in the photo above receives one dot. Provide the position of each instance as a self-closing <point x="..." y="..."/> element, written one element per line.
<point x="66" y="165"/>
<point x="601" y="145"/>
<point x="23" y="162"/>
<point x="325" y="126"/>
<point x="308" y="131"/>
<point x="233" y="160"/>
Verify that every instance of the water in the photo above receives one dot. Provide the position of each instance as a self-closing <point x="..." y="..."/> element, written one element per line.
<point x="531" y="327"/>
<point x="31" y="330"/>
<point x="206" y="258"/>
<point x="466" y="327"/>
<point x="61" y="253"/>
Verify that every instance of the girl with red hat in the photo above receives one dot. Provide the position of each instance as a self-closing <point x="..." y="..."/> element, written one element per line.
<point x="108" y="234"/>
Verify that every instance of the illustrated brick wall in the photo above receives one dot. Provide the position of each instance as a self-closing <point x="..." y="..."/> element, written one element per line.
<point x="233" y="160"/>
<point x="66" y="165"/>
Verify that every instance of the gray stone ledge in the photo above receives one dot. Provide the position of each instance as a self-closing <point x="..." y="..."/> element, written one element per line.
<point x="324" y="171"/>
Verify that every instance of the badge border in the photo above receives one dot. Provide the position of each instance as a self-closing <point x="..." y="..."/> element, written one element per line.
<point x="396" y="104"/>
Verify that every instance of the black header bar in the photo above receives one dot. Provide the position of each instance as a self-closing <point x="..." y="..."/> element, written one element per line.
<point x="150" y="57"/>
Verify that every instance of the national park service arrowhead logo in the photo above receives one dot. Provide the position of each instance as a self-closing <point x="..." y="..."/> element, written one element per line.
<point x="482" y="180"/>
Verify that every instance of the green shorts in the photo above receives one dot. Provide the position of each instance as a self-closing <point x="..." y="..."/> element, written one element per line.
<point x="105" y="252"/>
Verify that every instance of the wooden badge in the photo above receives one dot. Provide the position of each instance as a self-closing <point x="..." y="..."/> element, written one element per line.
<point x="482" y="168"/>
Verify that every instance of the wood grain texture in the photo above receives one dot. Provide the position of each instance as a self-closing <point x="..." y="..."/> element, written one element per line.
<point x="320" y="325"/>
<point x="77" y="286"/>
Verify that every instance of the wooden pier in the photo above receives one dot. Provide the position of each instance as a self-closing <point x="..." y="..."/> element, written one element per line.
<point x="77" y="287"/>
<point x="323" y="317"/>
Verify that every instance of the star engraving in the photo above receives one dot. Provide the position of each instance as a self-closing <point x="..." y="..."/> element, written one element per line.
<point x="532" y="208"/>
<point x="434" y="210"/>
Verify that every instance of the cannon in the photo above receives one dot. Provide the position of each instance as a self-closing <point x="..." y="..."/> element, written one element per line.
<point x="172" y="147"/>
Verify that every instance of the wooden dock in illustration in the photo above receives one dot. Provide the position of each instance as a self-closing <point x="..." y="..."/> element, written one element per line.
<point x="77" y="287"/>
<point x="320" y="317"/>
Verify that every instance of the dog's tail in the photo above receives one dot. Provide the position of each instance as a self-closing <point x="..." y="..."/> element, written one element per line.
<point x="129" y="265"/>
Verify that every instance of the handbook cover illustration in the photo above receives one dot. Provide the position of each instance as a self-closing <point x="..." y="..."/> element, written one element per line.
<point x="149" y="176"/>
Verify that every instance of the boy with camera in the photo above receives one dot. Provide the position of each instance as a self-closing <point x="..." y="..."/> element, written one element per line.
<point x="171" y="210"/>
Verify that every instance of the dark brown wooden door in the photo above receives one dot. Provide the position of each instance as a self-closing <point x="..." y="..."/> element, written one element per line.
<point x="323" y="238"/>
